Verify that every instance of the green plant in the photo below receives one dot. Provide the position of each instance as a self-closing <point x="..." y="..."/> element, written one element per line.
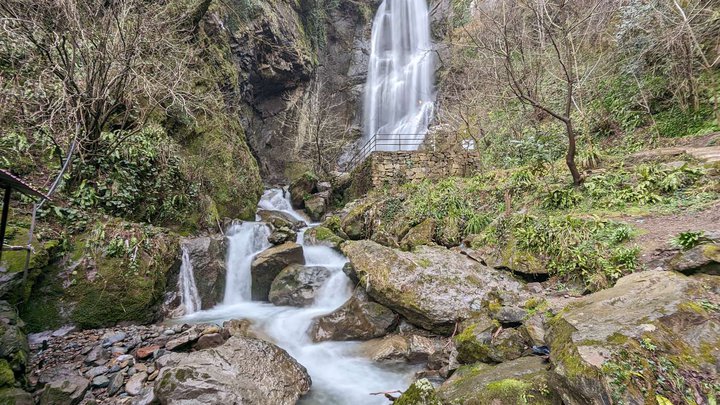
<point x="562" y="198"/>
<point x="688" y="239"/>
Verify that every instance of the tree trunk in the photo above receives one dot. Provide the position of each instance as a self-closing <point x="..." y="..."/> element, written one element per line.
<point x="571" y="151"/>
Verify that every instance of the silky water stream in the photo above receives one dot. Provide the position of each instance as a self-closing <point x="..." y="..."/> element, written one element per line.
<point x="339" y="373"/>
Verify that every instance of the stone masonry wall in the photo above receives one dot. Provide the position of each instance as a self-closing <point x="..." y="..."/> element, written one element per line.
<point x="395" y="168"/>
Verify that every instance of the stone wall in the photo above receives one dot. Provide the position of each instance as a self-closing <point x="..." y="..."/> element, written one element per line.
<point x="383" y="169"/>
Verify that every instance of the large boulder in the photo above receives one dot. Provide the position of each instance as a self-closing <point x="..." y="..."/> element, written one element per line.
<point x="268" y="264"/>
<point x="316" y="206"/>
<point x="15" y="396"/>
<point x="207" y="256"/>
<point x="69" y="390"/>
<point x="322" y="236"/>
<point x="279" y="219"/>
<point x="297" y="285"/>
<point x="487" y="342"/>
<point x="700" y="259"/>
<point x="242" y="371"/>
<point x="522" y="381"/>
<point x="421" y="392"/>
<point x="431" y="287"/>
<point x="14" y="348"/>
<point x="401" y="348"/>
<point x="357" y="319"/>
<point x="422" y="234"/>
<point x="301" y="188"/>
<point x="653" y="333"/>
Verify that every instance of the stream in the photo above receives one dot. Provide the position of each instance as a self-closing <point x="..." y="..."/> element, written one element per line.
<point x="340" y="375"/>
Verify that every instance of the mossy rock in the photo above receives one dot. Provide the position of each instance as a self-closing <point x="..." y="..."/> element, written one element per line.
<point x="421" y="392"/>
<point x="480" y="342"/>
<point x="422" y="234"/>
<point x="353" y="223"/>
<point x="15" y="396"/>
<point x="524" y="381"/>
<point x="322" y="236"/>
<point x="700" y="259"/>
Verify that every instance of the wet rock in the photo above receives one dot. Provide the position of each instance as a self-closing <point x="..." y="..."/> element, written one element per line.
<point x="116" y="383"/>
<point x="66" y="391"/>
<point x="316" y="206"/>
<point x="422" y="234"/>
<point x="302" y="187"/>
<point x="357" y="319"/>
<point x="268" y="264"/>
<point x="239" y="328"/>
<point x="147" y="351"/>
<point x="700" y="259"/>
<point x="279" y="219"/>
<point x="322" y="236"/>
<point x="646" y="315"/>
<point x="207" y="256"/>
<point x="432" y="287"/>
<point x="209" y="341"/>
<point x="297" y="285"/>
<point x="521" y="381"/>
<point x="243" y="370"/>
<point x="282" y="235"/>
<point x="135" y="383"/>
<point x="393" y="348"/>
<point x="421" y="392"/>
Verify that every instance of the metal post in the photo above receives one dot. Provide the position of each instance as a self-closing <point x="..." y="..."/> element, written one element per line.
<point x="4" y="220"/>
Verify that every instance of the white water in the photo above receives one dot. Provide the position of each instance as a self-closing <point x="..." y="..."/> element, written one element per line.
<point x="189" y="295"/>
<point x="339" y="374"/>
<point x="399" y="99"/>
<point x="244" y="242"/>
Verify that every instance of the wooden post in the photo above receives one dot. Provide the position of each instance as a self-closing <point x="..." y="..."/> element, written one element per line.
<point x="4" y="220"/>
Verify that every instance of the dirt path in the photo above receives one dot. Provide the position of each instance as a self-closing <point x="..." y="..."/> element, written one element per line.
<point x="657" y="231"/>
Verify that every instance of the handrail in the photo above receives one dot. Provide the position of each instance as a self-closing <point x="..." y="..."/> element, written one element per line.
<point x="391" y="142"/>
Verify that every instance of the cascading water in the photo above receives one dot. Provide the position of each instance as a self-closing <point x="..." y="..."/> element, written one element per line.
<point x="340" y="375"/>
<point x="189" y="295"/>
<point x="399" y="99"/>
<point x="244" y="242"/>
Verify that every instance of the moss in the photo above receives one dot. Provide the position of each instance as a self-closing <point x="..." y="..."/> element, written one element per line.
<point x="470" y="348"/>
<point x="693" y="307"/>
<point x="421" y="392"/>
<point x="509" y="391"/>
<point x="617" y="339"/>
<point x="7" y="377"/>
<point x="564" y="351"/>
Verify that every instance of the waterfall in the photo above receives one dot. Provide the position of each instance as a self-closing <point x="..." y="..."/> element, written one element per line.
<point x="399" y="99"/>
<point x="189" y="295"/>
<point x="244" y="242"/>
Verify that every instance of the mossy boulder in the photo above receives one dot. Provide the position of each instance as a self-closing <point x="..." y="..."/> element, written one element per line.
<point x="700" y="259"/>
<point x="279" y="219"/>
<point x="297" y="285"/>
<point x="322" y="236"/>
<point x="207" y="256"/>
<point x="15" y="396"/>
<point x="422" y="234"/>
<point x="14" y="349"/>
<point x="302" y="188"/>
<point x="523" y="381"/>
<point x="267" y="266"/>
<point x="483" y="342"/>
<point x="354" y="222"/>
<point x="432" y="287"/>
<point x="117" y="272"/>
<point x="421" y="392"/>
<point x="316" y="206"/>
<point x="512" y="257"/>
<point x="357" y="319"/>
<point x="638" y="340"/>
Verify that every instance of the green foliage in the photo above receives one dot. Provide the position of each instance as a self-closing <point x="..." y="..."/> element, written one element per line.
<point x="562" y="198"/>
<point x="675" y="122"/>
<point x="688" y="240"/>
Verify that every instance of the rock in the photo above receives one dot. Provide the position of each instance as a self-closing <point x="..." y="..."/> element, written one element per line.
<point x="282" y="235"/>
<point x="432" y="287"/>
<point x="15" y="396"/>
<point x="324" y="186"/>
<point x="302" y="187"/>
<point x="183" y="342"/>
<point x="481" y="342"/>
<point x="422" y="234"/>
<point x="354" y="222"/>
<point x="533" y="330"/>
<point x="521" y="381"/>
<point x="147" y="351"/>
<point x="14" y="347"/>
<point x="700" y="259"/>
<point x="316" y="206"/>
<point x="207" y="256"/>
<point x="64" y="331"/>
<point x="279" y="220"/>
<point x="421" y="392"/>
<point x="116" y="383"/>
<point x="661" y="316"/>
<point x="357" y="319"/>
<point x="96" y="371"/>
<point x="322" y="236"/>
<point x="239" y="328"/>
<point x="513" y="258"/>
<point x="66" y="391"/>
<point x="135" y="383"/>
<point x="268" y="264"/>
<point x="242" y="371"/>
<point x="393" y="348"/>
<point x="420" y="348"/>
<point x="113" y="338"/>
<point x="209" y="341"/>
<point x="510" y="315"/>
<point x="100" y="381"/>
<point x="297" y="285"/>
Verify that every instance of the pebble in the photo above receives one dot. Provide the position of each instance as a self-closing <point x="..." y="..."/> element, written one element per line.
<point x="153" y="375"/>
<point x="100" y="381"/>
<point x="169" y="332"/>
<point x="116" y="382"/>
<point x="96" y="371"/>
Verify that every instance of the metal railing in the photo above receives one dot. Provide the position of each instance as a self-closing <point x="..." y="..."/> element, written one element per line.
<point x="387" y="143"/>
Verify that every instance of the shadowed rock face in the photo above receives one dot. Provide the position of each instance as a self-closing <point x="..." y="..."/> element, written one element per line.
<point x="297" y="285"/>
<point x="268" y="264"/>
<point x="432" y="287"/>
<point x="207" y="255"/>
<point x="357" y="319"/>
<point x="658" y="315"/>
<point x="242" y="371"/>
